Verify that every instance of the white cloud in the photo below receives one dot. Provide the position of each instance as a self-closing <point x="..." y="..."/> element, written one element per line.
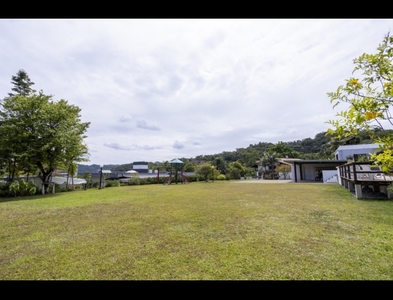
<point x="156" y="89"/>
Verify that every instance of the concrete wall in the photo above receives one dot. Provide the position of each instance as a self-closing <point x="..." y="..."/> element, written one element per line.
<point x="327" y="174"/>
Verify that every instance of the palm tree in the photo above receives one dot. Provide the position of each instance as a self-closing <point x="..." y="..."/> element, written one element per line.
<point x="269" y="158"/>
<point x="78" y="153"/>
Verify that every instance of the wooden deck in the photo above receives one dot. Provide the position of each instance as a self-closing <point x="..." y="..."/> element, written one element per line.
<point x="365" y="181"/>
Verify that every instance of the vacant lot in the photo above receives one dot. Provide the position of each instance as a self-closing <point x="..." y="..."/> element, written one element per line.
<point x="197" y="231"/>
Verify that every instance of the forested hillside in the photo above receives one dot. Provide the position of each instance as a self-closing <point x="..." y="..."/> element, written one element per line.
<point x="319" y="147"/>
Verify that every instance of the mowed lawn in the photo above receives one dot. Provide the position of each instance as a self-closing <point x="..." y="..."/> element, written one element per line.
<point x="197" y="231"/>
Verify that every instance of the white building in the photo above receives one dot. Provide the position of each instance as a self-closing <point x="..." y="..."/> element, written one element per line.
<point x="140" y="166"/>
<point x="355" y="151"/>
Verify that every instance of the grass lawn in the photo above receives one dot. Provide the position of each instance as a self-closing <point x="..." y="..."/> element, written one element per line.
<point x="198" y="231"/>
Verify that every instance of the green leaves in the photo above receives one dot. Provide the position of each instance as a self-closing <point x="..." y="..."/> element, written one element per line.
<point x="38" y="132"/>
<point x="369" y="96"/>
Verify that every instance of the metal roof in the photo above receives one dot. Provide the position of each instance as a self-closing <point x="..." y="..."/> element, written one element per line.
<point x="313" y="161"/>
<point x="360" y="146"/>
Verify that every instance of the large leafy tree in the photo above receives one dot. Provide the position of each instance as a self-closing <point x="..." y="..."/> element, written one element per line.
<point x="36" y="130"/>
<point x="368" y="98"/>
<point x="284" y="150"/>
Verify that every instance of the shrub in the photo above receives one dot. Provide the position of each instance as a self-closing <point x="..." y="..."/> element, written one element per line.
<point x="31" y="189"/>
<point x="150" y="180"/>
<point x="22" y="187"/>
<point x="221" y="177"/>
<point x="5" y="190"/>
<point x="135" y="181"/>
<point x="112" y="183"/>
<point x="14" y="188"/>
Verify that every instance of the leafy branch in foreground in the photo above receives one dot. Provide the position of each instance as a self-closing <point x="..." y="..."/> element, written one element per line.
<point x="369" y="99"/>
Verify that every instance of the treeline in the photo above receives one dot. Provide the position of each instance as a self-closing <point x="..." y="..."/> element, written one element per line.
<point x="322" y="146"/>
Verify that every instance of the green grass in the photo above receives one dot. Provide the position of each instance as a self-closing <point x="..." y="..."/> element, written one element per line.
<point x="198" y="231"/>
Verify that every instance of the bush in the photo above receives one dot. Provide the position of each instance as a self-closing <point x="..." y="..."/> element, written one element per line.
<point x="5" y="190"/>
<point x="14" y="188"/>
<point x="135" y="181"/>
<point x="221" y="177"/>
<point x="22" y="187"/>
<point x="27" y="188"/>
<point x="112" y="183"/>
<point x="31" y="189"/>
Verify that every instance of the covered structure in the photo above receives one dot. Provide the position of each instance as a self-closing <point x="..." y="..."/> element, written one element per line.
<point x="176" y="172"/>
<point x="307" y="170"/>
<point x="176" y="166"/>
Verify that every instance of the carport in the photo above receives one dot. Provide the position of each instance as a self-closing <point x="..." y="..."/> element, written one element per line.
<point x="306" y="170"/>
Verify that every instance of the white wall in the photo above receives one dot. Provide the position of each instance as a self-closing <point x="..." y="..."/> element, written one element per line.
<point x="282" y="175"/>
<point x="344" y="153"/>
<point x="327" y="174"/>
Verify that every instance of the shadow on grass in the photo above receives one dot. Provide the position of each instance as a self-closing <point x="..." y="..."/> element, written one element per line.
<point x="30" y="198"/>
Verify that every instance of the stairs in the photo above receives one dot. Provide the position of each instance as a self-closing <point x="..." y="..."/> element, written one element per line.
<point x="333" y="179"/>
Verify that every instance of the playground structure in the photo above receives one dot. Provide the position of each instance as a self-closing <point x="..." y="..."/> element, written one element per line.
<point x="176" y="172"/>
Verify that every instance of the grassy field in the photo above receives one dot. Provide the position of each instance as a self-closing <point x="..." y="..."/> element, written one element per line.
<point x="198" y="231"/>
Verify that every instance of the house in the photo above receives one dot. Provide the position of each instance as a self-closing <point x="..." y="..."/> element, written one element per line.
<point x="266" y="172"/>
<point x="140" y="166"/>
<point x="307" y="170"/>
<point x="354" y="152"/>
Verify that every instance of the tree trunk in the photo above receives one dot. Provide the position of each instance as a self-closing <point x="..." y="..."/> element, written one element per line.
<point x="46" y="177"/>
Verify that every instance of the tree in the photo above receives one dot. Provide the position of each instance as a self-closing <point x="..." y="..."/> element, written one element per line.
<point x="87" y="177"/>
<point x="41" y="131"/>
<point x="284" y="150"/>
<point x="220" y="164"/>
<point x="9" y="153"/>
<point x="269" y="158"/>
<point x="248" y="157"/>
<point x="284" y="170"/>
<point x="189" y="167"/>
<point x="235" y="170"/>
<point x="76" y="151"/>
<point x="22" y="84"/>
<point x="204" y="170"/>
<point x="369" y="99"/>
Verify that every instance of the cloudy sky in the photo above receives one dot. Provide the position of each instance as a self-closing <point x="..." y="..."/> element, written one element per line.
<point x="159" y="89"/>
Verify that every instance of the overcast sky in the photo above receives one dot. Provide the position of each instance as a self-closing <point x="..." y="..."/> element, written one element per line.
<point x="159" y="89"/>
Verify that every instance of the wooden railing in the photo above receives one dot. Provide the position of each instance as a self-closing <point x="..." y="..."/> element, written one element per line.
<point x="362" y="171"/>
